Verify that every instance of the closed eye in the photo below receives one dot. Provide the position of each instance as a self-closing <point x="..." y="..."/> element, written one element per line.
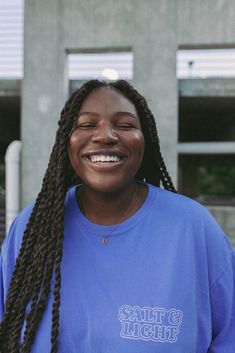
<point x="125" y="126"/>
<point x="86" y="125"/>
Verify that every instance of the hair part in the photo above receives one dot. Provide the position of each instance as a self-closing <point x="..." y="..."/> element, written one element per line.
<point x="40" y="254"/>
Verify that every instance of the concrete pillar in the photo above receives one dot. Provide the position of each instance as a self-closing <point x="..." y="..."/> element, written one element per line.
<point x="43" y="91"/>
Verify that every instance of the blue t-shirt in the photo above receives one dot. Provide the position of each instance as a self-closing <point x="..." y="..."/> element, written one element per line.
<point x="162" y="282"/>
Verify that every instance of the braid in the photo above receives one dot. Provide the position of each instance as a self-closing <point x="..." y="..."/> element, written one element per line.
<point x="165" y="179"/>
<point x="40" y="255"/>
<point x="59" y="211"/>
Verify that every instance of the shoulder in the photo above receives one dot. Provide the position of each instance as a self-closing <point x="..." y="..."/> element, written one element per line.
<point x="188" y="209"/>
<point x="192" y="225"/>
<point x="195" y="222"/>
<point x="179" y="206"/>
<point x="70" y="197"/>
<point x="186" y="213"/>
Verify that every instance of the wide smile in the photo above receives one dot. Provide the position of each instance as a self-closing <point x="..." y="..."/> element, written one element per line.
<point x="104" y="161"/>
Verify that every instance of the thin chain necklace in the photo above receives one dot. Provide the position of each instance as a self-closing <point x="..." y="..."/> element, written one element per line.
<point x="104" y="238"/>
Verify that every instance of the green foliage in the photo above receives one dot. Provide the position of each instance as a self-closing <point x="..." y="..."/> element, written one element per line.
<point x="217" y="180"/>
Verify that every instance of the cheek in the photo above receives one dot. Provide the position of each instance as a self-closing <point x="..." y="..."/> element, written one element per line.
<point x="139" y="144"/>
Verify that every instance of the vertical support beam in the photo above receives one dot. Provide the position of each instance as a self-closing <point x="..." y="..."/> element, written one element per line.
<point x="155" y="76"/>
<point x="43" y="91"/>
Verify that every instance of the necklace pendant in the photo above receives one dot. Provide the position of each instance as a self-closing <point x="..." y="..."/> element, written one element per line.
<point x="104" y="240"/>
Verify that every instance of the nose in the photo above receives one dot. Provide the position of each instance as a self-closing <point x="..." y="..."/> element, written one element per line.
<point x="105" y="134"/>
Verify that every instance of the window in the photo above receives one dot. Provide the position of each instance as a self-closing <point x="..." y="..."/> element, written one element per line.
<point x="206" y="63"/>
<point x="11" y="39"/>
<point x="105" y="65"/>
<point x="206" y="133"/>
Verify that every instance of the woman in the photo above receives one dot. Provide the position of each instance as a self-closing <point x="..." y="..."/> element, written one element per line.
<point x="110" y="262"/>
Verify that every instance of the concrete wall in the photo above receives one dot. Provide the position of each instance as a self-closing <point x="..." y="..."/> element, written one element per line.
<point x="206" y="22"/>
<point x="54" y="27"/>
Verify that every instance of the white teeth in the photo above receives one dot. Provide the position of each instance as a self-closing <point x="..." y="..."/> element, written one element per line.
<point x="105" y="159"/>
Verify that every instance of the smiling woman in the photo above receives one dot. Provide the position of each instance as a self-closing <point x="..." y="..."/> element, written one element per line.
<point x="101" y="261"/>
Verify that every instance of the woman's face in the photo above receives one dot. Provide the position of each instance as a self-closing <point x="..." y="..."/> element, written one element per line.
<point x="107" y="145"/>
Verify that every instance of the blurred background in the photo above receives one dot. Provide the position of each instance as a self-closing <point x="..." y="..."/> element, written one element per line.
<point x="179" y="54"/>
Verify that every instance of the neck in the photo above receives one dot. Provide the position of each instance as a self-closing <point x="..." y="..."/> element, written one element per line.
<point x="111" y="208"/>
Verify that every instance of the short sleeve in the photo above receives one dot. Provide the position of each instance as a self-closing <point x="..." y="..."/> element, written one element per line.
<point x="9" y="252"/>
<point x="1" y="291"/>
<point x="221" y="263"/>
<point x="7" y="263"/>
<point x="223" y="310"/>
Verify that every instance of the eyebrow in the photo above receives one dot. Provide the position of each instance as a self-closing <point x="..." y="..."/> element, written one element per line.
<point x="115" y="114"/>
<point x="87" y="113"/>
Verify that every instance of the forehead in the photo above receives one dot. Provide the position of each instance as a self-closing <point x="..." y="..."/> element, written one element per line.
<point x="107" y="98"/>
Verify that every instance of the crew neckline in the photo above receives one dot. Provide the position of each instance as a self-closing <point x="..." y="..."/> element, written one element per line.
<point x="91" y="228"/>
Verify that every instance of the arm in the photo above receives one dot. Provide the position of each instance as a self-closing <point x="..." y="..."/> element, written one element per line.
<point x="6" y="267"/>
<point x="1" y="291"/>
<point x="9" y="253"/>
<point x="223" y="310"/>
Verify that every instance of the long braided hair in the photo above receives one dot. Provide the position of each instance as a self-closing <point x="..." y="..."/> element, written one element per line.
<point x="40" y="254"/>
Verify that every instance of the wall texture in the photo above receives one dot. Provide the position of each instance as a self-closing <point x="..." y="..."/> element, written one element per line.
<point x="210" y="23"/>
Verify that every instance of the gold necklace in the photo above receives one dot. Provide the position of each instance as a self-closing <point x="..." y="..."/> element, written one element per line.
<point x="104" y="238"/>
